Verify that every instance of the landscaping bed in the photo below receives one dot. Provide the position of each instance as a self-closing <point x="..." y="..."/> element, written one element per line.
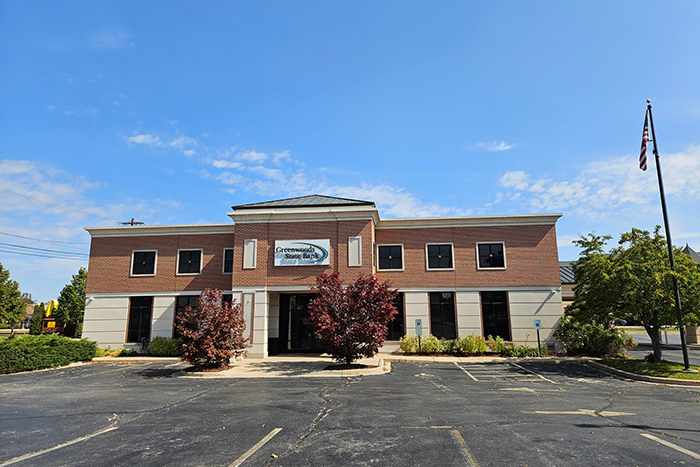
<point x="661" y="369"/>
<point x="45" y="351"/>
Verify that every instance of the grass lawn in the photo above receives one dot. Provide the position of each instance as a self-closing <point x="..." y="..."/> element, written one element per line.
<point x="661" y="369"/>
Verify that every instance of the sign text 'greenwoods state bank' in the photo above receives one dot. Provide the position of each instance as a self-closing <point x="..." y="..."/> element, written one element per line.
<point x="302" y="252"/>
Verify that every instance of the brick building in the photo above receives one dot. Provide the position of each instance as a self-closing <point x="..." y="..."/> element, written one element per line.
<point x="458" y="275"/>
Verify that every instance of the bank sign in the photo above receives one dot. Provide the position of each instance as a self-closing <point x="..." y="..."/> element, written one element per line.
<point x="302" y="252"/>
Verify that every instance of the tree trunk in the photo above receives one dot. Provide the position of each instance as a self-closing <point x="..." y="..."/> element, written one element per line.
<point x="348" y="361"/>
<point x="655" y="335"/>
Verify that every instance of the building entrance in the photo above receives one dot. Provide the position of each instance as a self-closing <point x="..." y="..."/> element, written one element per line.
<point x="296" y="333"/>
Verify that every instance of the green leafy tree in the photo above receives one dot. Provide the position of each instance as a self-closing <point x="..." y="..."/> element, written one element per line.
<point x="37" y="318"/>
<point x="12" y="307"/>
<point x="71" y="302"/>
<point x="634" y="280"/>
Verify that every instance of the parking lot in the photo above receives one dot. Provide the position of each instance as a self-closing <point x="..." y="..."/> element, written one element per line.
<point x="425" y="414"/>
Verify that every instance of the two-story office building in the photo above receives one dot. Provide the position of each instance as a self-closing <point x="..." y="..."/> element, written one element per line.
<point x="484" y="275"/>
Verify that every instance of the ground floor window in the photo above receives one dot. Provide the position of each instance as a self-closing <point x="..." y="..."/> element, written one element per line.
<point x="443" y="322"/>
<point x="182" y="302"/>
<point x="139" y="326"/>
<point x="227" y="298"/>
<point x="396" y="327"/>
<point x="494" y="312"/>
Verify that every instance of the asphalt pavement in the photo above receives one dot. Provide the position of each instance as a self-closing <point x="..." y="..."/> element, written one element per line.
<point x="421" y="414"/>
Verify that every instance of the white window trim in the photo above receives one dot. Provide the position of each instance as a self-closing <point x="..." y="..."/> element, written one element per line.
<point x="478" y="265"/>
<point x="155" y="264"/>
<point x="201" y="262"/>
<point x="359" y="264"/>
<point x="403" y="261"/>
<point x="255" y="253"/>
<point x="427" y="263"/>
<point x="223" y="262"/>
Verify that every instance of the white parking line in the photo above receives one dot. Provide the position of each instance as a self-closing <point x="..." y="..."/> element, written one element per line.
<point x="530" y="371"/>
<point x="671" y="445"/>
<point x="14" y="460"/>
<point x="252" y="450"/>
<point x="468" y="374"/>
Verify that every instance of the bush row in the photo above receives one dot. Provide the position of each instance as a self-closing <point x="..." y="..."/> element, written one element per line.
<point x="28" y="353"/>
<point x="595" y="340"/>
<point x="465" y="346"/>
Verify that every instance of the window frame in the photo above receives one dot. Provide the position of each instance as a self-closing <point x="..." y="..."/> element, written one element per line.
<point x="223" y="262"/>
<point x="201" y="262"/>
<point x="175" y="308"/>
<point x="128" y="318"/>
<point x="452" y="253"/>
<point x="254" y="259"/>
<point x="359" y="263"/>
<point x="403" y="260"/>
<point x="478" y="258"/>
<point x="155" y="263"/>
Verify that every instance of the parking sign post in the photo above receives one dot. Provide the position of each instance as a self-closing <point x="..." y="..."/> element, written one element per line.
<point x="419" y="332"/>
<point x="538" y="326"/>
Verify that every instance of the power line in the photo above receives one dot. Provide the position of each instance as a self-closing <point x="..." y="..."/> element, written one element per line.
<point x="42" y="256"/>
<point x="44" y="240"/>
<point x="59" y="206"/>
<point x="44" y="249"/>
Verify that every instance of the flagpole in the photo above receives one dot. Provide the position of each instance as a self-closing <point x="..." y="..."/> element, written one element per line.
<point x="669" y="242"/>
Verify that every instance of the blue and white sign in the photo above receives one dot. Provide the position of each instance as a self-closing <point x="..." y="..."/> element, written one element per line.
<point x="303" y="252"/>
<point x="419" y="327"/>
<point x="538" y="324"/>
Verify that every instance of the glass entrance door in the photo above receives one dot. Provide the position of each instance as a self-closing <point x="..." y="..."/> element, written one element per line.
<point x="296" y="331"/>
<point x="494" y="309"/>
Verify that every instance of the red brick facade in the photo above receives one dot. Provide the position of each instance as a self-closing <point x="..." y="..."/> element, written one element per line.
<point x="530" y="250"/>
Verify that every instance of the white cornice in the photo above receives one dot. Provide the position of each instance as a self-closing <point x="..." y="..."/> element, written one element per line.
<point x="157" y="230"/>
<point x="471" y="221"/>
<point x="305" y="214"/>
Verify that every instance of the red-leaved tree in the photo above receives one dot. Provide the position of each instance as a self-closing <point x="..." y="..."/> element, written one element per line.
<point x="352" y="320"/>
<point x="212" y="332"/>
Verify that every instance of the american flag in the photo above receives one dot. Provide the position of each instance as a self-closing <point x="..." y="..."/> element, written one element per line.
<point x="645" y="140"/>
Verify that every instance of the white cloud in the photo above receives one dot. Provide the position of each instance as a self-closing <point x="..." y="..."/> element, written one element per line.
<point x="189" y="152"/>
<point x="281" y="156"/>
<point x="494" y="146"/>
<point x="229" y="178"/>
<point x="222" y="164"/>
<point x="251" y="156"/>
<point x="111" y="39"/>
<point x="517" y="179"/>
<point x="147" y="139"/>
<point x="182" y="142"/>
<point x="273" y="174"/>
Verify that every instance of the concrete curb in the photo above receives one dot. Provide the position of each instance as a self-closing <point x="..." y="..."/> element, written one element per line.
<point x="239" y="372"/>
<point x="489" y="359"/>
<point x="648" y="379"/>
<point x="136" y="360"/>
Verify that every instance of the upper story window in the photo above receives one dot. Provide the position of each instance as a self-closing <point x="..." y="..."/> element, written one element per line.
<point x="143" y="263"/>
<point x="439" y="256"/>
<point x="491" y="255"/>
<point x="189" y="261"/>
<point x="390" y="256"/>
<point x="228" y="260"/>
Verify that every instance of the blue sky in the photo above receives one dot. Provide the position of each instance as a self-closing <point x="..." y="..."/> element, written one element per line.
<point x="170" y="112"/>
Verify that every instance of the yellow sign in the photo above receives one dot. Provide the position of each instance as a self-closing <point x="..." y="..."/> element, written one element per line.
<point x="51" y="324"/>
<point x="53" y="304"/>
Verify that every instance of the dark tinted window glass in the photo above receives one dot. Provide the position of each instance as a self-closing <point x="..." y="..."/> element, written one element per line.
<point x="227" y="298"/>
<point x="491" y="255"/>
<point x="228" y="260"/>
<point x="144" y="262"/>
<point x="139" y="319"/>
<point x="494" y="309"/>
<point x="439" y="256"/>
<point x="442" y="315"/>
<point x="189" y="262"/>
<point x="390" y="257"/>
<point x="181" y="303"/>
<point x="396" y="327"/>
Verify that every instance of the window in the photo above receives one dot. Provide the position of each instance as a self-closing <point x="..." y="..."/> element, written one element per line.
<point x="494" y="311"/>
<point x="354" y="252"/>
<point x="250" y="247"/>
<point x="439" y="256"/>
<point x="227" y="298"/>
<point x="228" y="260"/>
<point x="189" y="262"/>
<point x="443" y="323"/>
<point x="390" y="256"/>
<point x="182" y="302"/>
<point x="139" y="327"/>
<point x="143" y="263"/>
<point x="491" y="255"/>
<point x="396" y="327"/>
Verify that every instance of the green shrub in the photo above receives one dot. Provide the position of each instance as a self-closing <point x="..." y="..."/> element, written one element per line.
<point x="44" y="351"/>
<point x="497" y="345"/>
<point x="127" y="353"/>
<point x="4" y="326"/>
<point x="470" y="345"/>
<point x="165" y="347"/>
<point x="595" y="340"/>
<point x="103" y="352"/>
<point x="430" y="344"/>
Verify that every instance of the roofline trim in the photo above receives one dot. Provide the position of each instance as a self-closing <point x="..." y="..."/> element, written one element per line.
<point x="470" y="221"/>
<point x="157" y="230"/>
